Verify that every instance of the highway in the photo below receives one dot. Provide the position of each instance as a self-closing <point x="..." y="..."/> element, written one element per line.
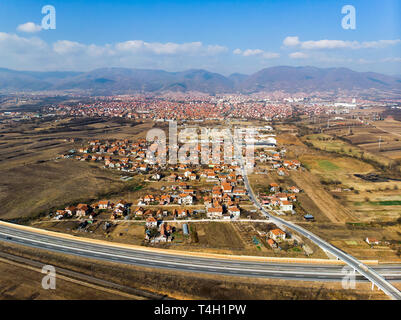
<point x="194" y="264"/>
<point x="355" y="264"/>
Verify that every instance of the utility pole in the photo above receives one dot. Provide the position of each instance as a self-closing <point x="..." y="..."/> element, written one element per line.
<point x="380" y="142"/>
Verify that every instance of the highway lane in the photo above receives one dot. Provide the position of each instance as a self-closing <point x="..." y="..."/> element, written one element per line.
<point x="193" y="264"/>
<point x="355" y="264"/>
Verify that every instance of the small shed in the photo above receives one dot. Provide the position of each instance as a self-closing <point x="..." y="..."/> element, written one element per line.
<point x="309" y="217"/>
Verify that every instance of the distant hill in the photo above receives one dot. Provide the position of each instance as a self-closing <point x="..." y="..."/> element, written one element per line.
<point x="124" y="80"/>
<point x="293" y="79"/>
<point x="31" y="80"/>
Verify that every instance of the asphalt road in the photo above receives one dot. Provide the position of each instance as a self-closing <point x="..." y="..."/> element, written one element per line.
<point x="310" y="272"/>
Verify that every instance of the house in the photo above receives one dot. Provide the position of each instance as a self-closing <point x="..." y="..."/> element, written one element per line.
<point x="82" y="210"/>
<point x="165" y="199"/>
<point x="211" y="176"/>
<point x="234" y="212"/>
<point x="281" y="196"/>
<point x="70" y="210"/>
<point x="182" y="213"/>
<point x="277" y="234"/>
<point x="372" y="241"/>
<point x="281" y="172"/>
<point x="226" y="187"/>
<point x="122" y="204"/>
<point x="271" y="243"/>
<point x="286" y="205"/>
<point x="139" y="212"/>
<point x="294" y="189"/>
<point x="151" y="222"/>
<point x="118" y="212"/>
<point x="214" y="212"/>
<point x="103" y="204"/>
<point x="239" y="192"/>
<point x="148" y="199"/>
<point x="60" y="214"/>
<point x="274" y="201"/>
<point x="156" y="177"/>
<point x="185" y="199"/>
<point x="274" y="187"/>
<point x="187" y="173"/>
<point x="172" y="178"/>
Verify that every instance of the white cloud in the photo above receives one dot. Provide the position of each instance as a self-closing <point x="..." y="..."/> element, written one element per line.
<point x="270" y="55"/>
<point x="392" y="59"/>
<point x="364" y="61"/>
<point x="169" y="48"/>
<point x="252" y="52"/>
<point x="380" y="43"/>
<point x="32" y="53"/>
<point x="337" y="44"/>
<point x="14" y="44"/>
<point x="29" y="27"/>
<point x="257" y="52"/>
<point x="298" y="55"/>
<point x="67" y="47"/>
<point x="327" y="44"/>
<point x="291" y="41"/>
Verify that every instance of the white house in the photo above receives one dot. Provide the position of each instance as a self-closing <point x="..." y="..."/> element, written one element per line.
<point x="151" y="222"/>
<point x="277" y="234"/>
<point x="214" y="212"/>
<point x="234" y="211"/>
<point x="185" y="199"/>
<point x="372" y="241"/>
<point x="286" y="206"/>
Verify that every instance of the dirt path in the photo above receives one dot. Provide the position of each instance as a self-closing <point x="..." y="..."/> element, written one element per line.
<point x="323" y="199"/>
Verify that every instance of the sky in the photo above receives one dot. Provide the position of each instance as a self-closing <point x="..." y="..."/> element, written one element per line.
<point x="219" y="36"/>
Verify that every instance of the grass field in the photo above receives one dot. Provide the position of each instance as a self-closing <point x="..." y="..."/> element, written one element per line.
<point x="330" y="143"/>
<point x="36" y="188"/>
<point x="380" y="203"/>
<point x="327" y="165"/>
<point x="333" y="168"/>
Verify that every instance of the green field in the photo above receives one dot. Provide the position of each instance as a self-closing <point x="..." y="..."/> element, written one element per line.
<point x="380" y="203"/>
<point x="327" y="165"/>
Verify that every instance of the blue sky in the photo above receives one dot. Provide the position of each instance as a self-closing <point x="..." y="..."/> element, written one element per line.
<point x="222" y="36"/>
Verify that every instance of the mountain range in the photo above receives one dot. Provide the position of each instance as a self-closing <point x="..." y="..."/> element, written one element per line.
<point x="125" y="80"/>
